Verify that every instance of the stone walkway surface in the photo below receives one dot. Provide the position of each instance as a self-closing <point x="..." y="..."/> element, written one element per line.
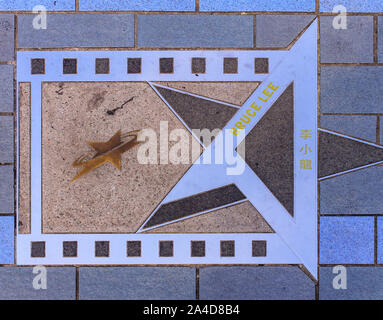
<point x="300" y="79"/>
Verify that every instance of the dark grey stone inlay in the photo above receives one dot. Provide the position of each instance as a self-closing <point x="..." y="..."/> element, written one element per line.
<point x="230" y="65"/>
<point x="134" y="65"/>
<point x="70" y="248"/>
<point x="261" y="65"/>
<point x="102" y="248"/>
<point x="133" y="248"/>
<point x="37" y="66"/>
<point x="270" y="149"/>
<point x="198" y="65"/>
<point x="227" y="248"/>
<point x="338" y="154"/>
<point x="102" y="65"/>
<point x="259" y="248"/>
<point x="69" y="66"/>
<point x="166" y="248"/>
<point x="38" y="249"/>
<point x="198" y="113"/>
<point x="166" y="65"/>
<point x="194" y="204"/>
<point x="197" y="248"/>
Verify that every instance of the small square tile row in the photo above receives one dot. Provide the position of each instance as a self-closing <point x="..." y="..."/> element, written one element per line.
<point x="166" y="248"/>
<point x="166" y="65"/>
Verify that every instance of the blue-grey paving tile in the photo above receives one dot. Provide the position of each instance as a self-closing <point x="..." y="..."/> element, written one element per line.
<point x="6" y="88"/>
<point x="346" y="240"/>
<point x="279" y="30"/>
<point x="362" y="283"/>
<point x="78" y="30"/>
<point x="6" y="37"/>
<point x="209" y="31"/>
<point x="137" y="283"/>
<point x="139" y="5"/>
<point x="358" y="192"/>
<point x="259" y="5"/>
<point x="28" y="5"/>
<point x="381" y="130"/>
<point x="248" y="283"/>
<point x="379" y="232"/>
<point x="352" y="5"/>
<point x="6" y="139"/>
<point x="380" y="38"/>
<point x="363" y="127"/>
<point x="16" y="283"/>
<point x="6" y="189"/>
<point x="7" y="240"/>
<point x="351" y="89"/>
<point x="354" y="44"/>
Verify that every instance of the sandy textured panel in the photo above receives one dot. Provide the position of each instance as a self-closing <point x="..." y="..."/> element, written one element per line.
<point x="242" y="217"/>
<point x="105" y="200"/>
<point x="25" y="158"/>
<point x="231" y="92"/>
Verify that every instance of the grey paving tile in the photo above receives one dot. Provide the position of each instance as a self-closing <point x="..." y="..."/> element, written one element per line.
<point x="363" y="127"/>
<point x="354" y="44"/>
<point x="77" y="30"/>
<point x="279" y="30"/>
<point x="346" y="240"/>
<point x="276" y="151"/>
<point x="7" y="37"/>
<point x="7" y="240"/>
<point x="381" y="130"/>
<point x="380" y="39"/>
<point x="194" y="204"/>
<point x="248" y="283"/>
<point x="6" y="139"/>
<point x="6" y="88"/>
<point x="351" y="89"/>
<point x="190" y="31"/>
<point x="359" y="192"/>
<point x="6" y="189"/>
<point x="362" y="283"/>
<point x="137" y="283"/>
<point x="16" y="283"/>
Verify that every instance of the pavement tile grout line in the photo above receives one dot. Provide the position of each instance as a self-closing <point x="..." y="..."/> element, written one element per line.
<point x="15" y="136"/>
<point x="375" y="42"/>
<point x="197" y="6"/>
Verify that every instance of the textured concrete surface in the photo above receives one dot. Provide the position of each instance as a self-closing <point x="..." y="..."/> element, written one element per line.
<point x="363" y="127"/>
<point x="351" y="89"/>
<point x="259" y="5"/>
<point x="354" y="44"/>
<point x="190" y="31"/>
<point x="137" y="283"/>
<point x="232" y="92"/>
<point x="7" y="241"/>
<point x="249" y="283"/>
<point x="279" y="30"/>
<point x="6" y="139"/>
<point x="28" y="5"/>
<point x="140" y="5"/>
<point x="359" y="192"/>
<point x="352" y="5"/>
<point x="185" y="207"/>
<point x="381" y="130"/>
<point x="24" y="215"/>
<point x="346" y="240"/>
<point x="379" y="233"/>
<point x="242" y="217"/>
<point x="338" y="154"/>
<point x="362" y="283"/>
<point x="271" y="157"/>
<point x="6" y="189"/>
<point x="7" y="37"/>
<point x="77" y="30"/>
<point x="6" y="88"/>
<point x="106" y="200"/>
<point x="16" y="283"/>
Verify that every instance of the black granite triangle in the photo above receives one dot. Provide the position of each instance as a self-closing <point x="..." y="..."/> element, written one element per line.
<point x="270" y="149"/>
<point x="338" y="154"/>
<point x="198" y="113"/>
<point x="194" y="204"/>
